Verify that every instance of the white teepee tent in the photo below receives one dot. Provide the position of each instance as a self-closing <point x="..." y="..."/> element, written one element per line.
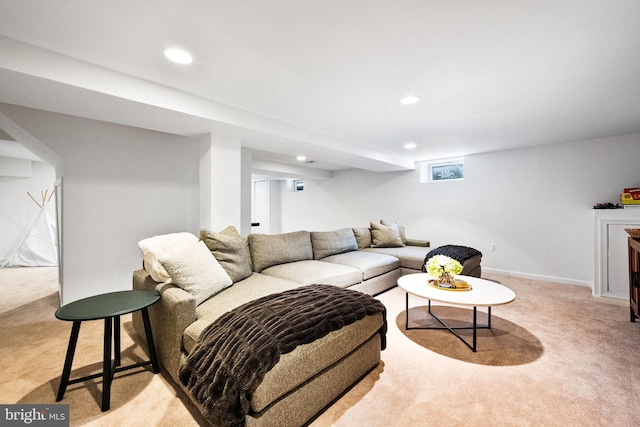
<point x="39" y="248"/>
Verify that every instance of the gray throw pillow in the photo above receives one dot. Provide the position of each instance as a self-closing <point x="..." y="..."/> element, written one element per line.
<point x="231" y="250"/>
<point x="384" y="236"/>
<point x="363" y="237"/>
<point x="327" y="243"/>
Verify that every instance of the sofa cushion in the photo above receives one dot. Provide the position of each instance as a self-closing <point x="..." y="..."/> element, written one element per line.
<point x="411" y="257"/>
<point x="309" y="272"/>
<point x="384" y="236"/>
<point x="272" y="249"/>
<point x="327" y="243"/>
<point x="304" y="361"/>
<point x="369" y="263"/>
<point x="231" y="250"/>
<point x="363" y="236"/>
<point x="197" y="271"/>
<point x="165" y="245"/>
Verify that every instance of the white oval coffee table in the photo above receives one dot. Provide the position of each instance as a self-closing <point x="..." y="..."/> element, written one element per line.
<point x="483" y="293"/>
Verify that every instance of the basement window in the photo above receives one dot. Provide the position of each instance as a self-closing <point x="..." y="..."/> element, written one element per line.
<point x="442" y="170"/>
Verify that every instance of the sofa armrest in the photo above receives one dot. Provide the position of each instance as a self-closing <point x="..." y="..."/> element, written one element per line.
<point x="417" y="242"/>
<point x="142" y="281"/>
<point x="169" y="318"/>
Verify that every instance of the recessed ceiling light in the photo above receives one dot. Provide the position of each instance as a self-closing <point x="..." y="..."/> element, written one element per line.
<point x="410" y="145"/>
<point x="179" y="56"/>
<point x="301" y="158"/>
<point x="409" y="99"/>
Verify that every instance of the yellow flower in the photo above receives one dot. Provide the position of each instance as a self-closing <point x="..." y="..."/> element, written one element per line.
<point x="439" y="264"/>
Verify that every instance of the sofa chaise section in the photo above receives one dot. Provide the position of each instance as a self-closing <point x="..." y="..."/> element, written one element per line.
<point x="301" y="384"/>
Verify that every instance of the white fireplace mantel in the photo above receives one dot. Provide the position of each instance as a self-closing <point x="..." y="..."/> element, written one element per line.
<point x="611" y="276"/>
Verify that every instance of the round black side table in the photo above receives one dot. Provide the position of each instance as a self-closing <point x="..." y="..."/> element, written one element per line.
<point x="108" y="307"/>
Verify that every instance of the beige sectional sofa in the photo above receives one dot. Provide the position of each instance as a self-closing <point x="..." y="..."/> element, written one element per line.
<point x="309" y="378"/>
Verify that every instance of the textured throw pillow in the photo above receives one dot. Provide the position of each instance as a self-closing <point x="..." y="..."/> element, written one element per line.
<point x="156" y="247"/>
<point x="327" y="243"/>
<point x="273" y="249"/>
<point x="400" y="228"/>
<point x="231" y="250"/>
<point x="363" y="237"/>
<point x="197" y="272"/>
<point x="383" y="236"/>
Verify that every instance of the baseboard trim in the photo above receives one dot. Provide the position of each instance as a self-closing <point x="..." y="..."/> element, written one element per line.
<point x="612" y="301"/>
<point x="563" y="280"/>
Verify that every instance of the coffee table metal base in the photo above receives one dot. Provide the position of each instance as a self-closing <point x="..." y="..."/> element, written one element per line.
<point x="475" y="327"/>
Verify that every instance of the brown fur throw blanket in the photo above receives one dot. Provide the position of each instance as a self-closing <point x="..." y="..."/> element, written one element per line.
<point x="235" y="352"/>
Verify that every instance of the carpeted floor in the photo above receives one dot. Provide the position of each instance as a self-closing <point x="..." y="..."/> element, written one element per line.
<point x="554" y="357"/>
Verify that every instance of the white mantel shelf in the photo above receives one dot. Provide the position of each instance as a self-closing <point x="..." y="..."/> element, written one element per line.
<point x="611" y="260"/>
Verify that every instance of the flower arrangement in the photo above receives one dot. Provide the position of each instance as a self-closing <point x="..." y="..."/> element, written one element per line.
<point x="441" y="265"/>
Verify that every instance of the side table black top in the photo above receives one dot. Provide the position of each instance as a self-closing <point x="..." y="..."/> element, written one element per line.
<point x="107" y="305"/>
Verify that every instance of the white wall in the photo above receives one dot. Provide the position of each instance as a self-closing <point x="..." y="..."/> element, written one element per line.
<point x="17" y="210"/>
<point x="120" y="185"/>
<point x="535" y="204"/>
<point x="123" y="184"/>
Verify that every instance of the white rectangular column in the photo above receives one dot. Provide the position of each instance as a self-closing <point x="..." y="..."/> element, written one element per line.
<point x="223" y="190"/>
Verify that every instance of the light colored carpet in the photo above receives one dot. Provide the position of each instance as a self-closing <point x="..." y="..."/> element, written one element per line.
<point x="555" y="357"/>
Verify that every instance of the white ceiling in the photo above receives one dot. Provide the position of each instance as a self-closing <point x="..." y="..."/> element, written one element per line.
<point x="324" y="78"/>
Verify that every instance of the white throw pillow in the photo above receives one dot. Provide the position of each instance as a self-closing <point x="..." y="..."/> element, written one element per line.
<point x="163" y="246"/>
<point x="197" y="271"/>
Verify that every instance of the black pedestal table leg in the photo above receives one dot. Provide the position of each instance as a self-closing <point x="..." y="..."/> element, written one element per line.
<point x="107" y="375"/>
<point x="150" y="345"/>
<point x="68" y="361"/>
